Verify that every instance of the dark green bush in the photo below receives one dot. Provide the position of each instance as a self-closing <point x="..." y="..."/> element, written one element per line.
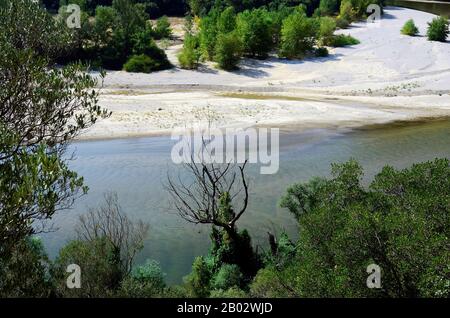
<point x="343" y="40"/>
<point x="438" y="29"/>
<point x="409" y="28"/>
<point x="142" y="64"/>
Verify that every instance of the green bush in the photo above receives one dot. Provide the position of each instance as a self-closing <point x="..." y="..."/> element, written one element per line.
<point x="409" y="28"/>
<point x="228" y="51"/>
<point x="327" y="26"/>
<point x="208" y="35"/>
<point x="298" y="35"/>
<point x="227" y="277"/>
<point x="343" y="40"/>
<point x="142" y="64"/>
<point x="327" y="7"/>
<point x="438" y="29"/>
<point x="144" y="282"/>
<point x="346" y="11"/>
<point x="190" y="55"/>
<point x="162" y="28"/>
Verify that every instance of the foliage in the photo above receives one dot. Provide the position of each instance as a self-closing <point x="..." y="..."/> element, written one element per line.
<point x="42" y="108"/>
<point x="228" y="276"/>
<point x="190" y="54"/>
<point x="327" y="26"/>
<point x="438" y="29"/>
<point x="400" y="223"/>
<point x="162" y="28"/>
<point x="341" y="40"/>
<point x="208" y="35"/>
<point x="409" y="28"/>
<point x="233" y="292"/>
<point x="101" y="273"/>
<point x="25" y="273"/>
<point x="297" y="35"/>
<point x="144" y="282"/>
<point x="327" y="8"/>
<point x="228" y="51"/>
<point x="255" y="30"/>
<point x="142" y="64"/>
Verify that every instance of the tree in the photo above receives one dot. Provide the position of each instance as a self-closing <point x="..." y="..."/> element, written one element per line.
<point x="190" y="54"/>
<point x="297" y="35"/>
<point x="255" y="30"/>
<point x="400" y="222"/>
<point x="438" y="29"/>
<point x="208" y="35"/>
<point x="41" y="110"/>
<point x="226" y="22"/>
<point x="228" y="51"/>
<point x="108" y="222"/>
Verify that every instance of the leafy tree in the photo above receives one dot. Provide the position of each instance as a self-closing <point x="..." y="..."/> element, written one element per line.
<point x="327" y="7"/>
<point x="228" y="51"/>
<point x="226" y="22"/>
<point x="325" y="33"/>
<point x="101" y="274"/>
<point x="228" y="276"/>
<point x="438" y="29"/>
<point x="399" y="223"/>
<point x="409" y="28"/>
<point x="298" y="35"/>
<point x="41" y="109"/>
<point x="208" y="35"/>
<point x="255" y="30"/>
<point x="190" y="55"/>
<point x="144" y="282"/>
<point x="27" y="257"/>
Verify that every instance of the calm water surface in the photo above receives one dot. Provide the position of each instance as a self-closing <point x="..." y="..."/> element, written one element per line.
<point x="136" y="169"/>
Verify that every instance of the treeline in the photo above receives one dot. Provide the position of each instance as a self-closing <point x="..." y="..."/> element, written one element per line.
<point x="116" y="37"/>
<point x="154" y="8"/>
<point x="225" y="35"/>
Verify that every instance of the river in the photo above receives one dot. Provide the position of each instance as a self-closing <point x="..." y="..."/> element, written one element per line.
<point x="136" y="168"/>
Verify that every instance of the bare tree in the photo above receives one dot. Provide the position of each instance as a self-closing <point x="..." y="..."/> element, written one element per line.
<point x="199" y="201"/>
<point x="108" y="221"/>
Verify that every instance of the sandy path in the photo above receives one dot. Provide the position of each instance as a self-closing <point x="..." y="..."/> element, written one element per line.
<point x="387" y="77"/>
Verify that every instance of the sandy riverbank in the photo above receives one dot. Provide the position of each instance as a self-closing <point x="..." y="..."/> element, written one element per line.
<point x="388" y="77"/>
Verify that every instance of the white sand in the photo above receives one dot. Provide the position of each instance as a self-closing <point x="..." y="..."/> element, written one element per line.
<point x="387" y="77"/>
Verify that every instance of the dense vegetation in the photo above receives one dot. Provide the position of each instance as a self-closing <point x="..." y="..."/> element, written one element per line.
<point x="225" y="34"/>
<point x="400" y="221"/>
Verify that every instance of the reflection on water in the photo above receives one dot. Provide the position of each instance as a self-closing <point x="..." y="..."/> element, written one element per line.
<point x="136" y="168"/>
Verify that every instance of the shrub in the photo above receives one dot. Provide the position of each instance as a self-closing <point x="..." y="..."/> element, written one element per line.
<point x="342" y="23"/>
<point x="297" y="35"/>
<point x="321" y="52"/>
<point x="227" y="277"/>
<point x="409" y="28"/>
<point x="144" y="281"/>
<point x="190" y="55"/>
<point x="142" y="64"/>
<point x="343" y="40"/>
<point x="346" y="11"/>
<point x="327" y="26"/>
<point x="327" y="7"/>
<point x="438" y="29"/>
<point x="228" y="51"/>
<point x="162" y="28"/>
